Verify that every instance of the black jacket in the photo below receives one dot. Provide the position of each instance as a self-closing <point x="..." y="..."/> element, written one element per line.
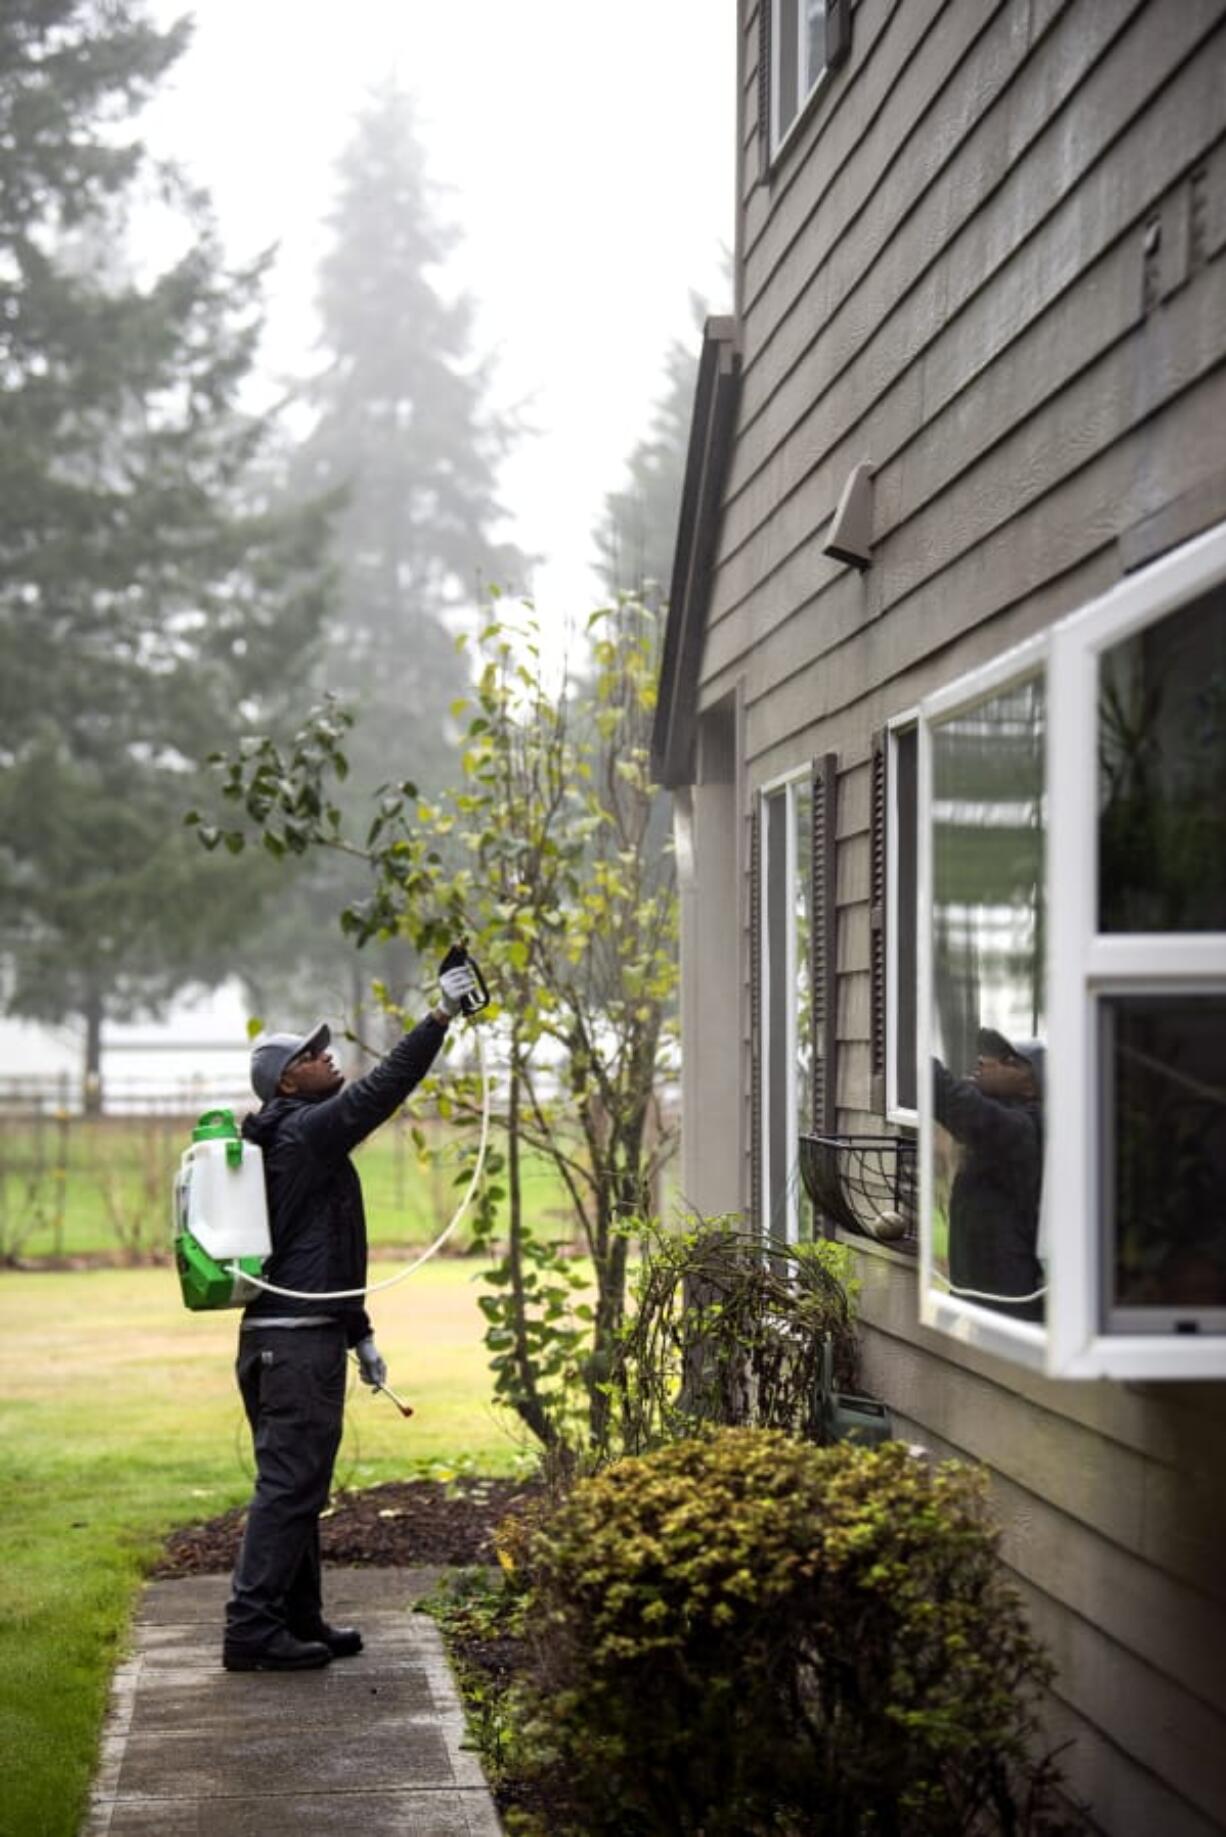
<point x="994" y="1201"/>
<point x="315" y="1210"/>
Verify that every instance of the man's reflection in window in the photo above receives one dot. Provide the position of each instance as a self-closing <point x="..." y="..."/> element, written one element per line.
<point x="996" y="1118"/>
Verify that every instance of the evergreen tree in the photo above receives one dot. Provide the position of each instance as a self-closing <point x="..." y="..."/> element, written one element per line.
<point x="404" y="433"/>
<point x="148" y="605"/>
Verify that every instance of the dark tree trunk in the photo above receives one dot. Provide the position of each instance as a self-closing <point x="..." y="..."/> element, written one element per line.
<point x="528" y="1402"/>
<point x="91" y="1090"/>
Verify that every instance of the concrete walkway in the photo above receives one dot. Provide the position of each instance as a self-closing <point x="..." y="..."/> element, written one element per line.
<point x="370" y="1745"/>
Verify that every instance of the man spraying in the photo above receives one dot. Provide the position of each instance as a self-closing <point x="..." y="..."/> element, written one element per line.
<point x="292" y="1353"/>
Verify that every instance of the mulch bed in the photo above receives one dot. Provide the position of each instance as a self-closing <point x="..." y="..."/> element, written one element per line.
<point x="403" y="1524"/>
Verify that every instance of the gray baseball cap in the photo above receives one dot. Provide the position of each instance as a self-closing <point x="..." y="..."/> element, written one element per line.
<point x="272" y="1052"/>
<point x="995" y="1045"/>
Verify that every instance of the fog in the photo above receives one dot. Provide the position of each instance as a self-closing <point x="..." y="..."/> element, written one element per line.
<point x="586" y="153"/>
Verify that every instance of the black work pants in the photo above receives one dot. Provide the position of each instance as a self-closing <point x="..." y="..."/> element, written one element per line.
<point x="292" y="1382"/>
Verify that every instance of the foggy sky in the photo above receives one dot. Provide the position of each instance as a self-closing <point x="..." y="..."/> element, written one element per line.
<point x="586" y="151"/>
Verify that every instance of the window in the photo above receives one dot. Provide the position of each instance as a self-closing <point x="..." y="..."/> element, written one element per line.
<point x="801" y="43"/>
<point x="1072" y="975"/>
<point x="901" y="825"/>
<point x="1162" y="1161"/>
<point x="787" y="1043"/>
<point x="1138" y="974"/>
<point x="798" y="46"/>
<point x="984" y="1008"/>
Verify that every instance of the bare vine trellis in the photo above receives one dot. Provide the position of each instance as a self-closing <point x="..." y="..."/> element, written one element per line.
<point x="732" y="1328"/>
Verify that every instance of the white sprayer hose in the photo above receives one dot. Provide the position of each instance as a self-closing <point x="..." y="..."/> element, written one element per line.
<point x="980" y="1294"/>
<point x="372" y="1288"/>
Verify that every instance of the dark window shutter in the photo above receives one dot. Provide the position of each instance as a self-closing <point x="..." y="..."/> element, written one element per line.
<point x="838" y="32"/>
<point x="877" y="920"/>
<point x="823" y="943"/>
<point x="764" y="88"/>
<point x="755" y="1015"/>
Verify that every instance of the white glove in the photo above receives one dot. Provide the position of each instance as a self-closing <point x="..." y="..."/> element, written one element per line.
<point x="373" y="1367"/>
<point x="455" y="985"/>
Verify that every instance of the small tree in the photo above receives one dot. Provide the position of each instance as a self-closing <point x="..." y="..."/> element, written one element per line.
<point x="550" y="859"/>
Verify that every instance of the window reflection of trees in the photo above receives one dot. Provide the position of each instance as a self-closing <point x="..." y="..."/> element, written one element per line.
<point x="1165" y="1150"/>
<point x="1162" y="868"/>
<point x="1162" y="774"/>
<point x="988" y="817"/>
<point x="988" y="899"/>
<point x="788" y="1000"/>
<point x="802" y="903"/>
<point x="802" y="895"/>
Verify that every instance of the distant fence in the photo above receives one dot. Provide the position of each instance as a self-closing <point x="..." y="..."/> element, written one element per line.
<point x="25" y="1094"/>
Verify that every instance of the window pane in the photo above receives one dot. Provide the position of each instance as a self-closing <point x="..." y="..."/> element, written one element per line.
<point x="778" y="1131"/>
<point x="786" y="44"/>
<point x="988" y="819"/>
<point x="815" y="41"/>
<point x="802" y="902"/>
<point x="1164" y="1159"/>
<point x="906" y="823"/>
<point x="1162" y="774"/>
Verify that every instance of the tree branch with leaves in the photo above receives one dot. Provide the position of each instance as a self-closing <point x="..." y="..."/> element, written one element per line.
<point x="551" y="856"/>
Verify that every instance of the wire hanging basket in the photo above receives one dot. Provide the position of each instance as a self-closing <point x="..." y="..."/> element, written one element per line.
<point x="865" y="1183"/>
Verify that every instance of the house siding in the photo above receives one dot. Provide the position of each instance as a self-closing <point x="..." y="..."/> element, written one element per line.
<point x="991" y="260"/>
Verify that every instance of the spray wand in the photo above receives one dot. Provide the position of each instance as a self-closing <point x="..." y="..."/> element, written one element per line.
<point x="406" y="1409"/>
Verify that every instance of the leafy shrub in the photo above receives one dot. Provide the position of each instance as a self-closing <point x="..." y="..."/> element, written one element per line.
<point x="745" y="1633"/>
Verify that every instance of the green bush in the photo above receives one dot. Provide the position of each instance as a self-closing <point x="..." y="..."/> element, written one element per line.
<point x="745" y="1633"/>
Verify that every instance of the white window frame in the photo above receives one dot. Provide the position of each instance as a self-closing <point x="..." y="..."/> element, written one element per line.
<point x="806" y="86"/>
<point x="1022" y="1341"/>
<point x="907" y="722"/>
<point x="1083" y="966"/>
<point x="788" y="783"/>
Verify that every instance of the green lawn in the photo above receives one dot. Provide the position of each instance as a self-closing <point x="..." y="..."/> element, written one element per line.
<point x="88" y="1186"/>
<point x="120" y="1420"/>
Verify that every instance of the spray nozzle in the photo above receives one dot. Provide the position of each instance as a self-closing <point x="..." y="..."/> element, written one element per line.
<point x="406" y="1409"/>
<point x="457" y="958"/>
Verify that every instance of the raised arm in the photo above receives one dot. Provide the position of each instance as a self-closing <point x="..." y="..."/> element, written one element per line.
<point x="335" y="1126"/>
<point x="977" y="1119"/>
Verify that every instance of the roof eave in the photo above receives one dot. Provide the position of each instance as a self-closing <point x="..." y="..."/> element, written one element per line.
<point x="712" y="425"/>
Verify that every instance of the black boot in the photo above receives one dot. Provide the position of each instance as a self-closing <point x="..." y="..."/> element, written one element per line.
<point x="280" y="1653"/>
<point x="342" y="1642"/>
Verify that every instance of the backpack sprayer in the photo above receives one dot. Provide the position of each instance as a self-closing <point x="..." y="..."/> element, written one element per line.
<point x="220" y="1216"/>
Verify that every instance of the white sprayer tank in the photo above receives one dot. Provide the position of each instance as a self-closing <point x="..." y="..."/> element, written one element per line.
<point x="219" y="1191"/>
